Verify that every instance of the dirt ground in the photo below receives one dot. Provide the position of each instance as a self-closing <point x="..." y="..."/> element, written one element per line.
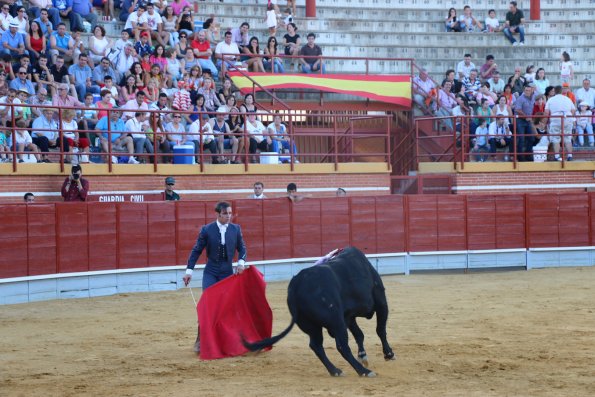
<point x="483" y="334"/>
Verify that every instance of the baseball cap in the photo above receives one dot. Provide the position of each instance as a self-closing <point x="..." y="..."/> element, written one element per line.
<point x="170" y="180"/>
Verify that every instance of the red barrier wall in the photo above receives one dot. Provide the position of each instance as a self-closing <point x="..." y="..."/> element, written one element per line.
<point x="73" y="237"/>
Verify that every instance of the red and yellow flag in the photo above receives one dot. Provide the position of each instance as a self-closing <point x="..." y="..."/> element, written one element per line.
<point x="384" y="88"/>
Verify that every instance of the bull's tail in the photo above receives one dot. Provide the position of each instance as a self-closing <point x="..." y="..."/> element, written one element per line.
<point x="255" y="346"/>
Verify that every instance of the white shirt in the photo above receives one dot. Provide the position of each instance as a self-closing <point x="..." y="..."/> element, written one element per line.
<point x="499" y="130"/>
<point x="560" y="105"/>
<point x="584" y="95"/>
<point x="224" y="48"/>
<point x="23" y="137"/>
<point x="255" y="130"/>
<point x="133" y="105"/>
<point x="134" y="18"/>
<point x="135" y="127"/>
<point x="194" y="131"/>
<point x="222" y="230"/>
<point x="464" y="69"/>
<point x="153" y="20"/>
<point x="492" y="22"/>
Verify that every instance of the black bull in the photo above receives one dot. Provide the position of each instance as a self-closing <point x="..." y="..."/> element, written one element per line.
<point x="331" y="296"/>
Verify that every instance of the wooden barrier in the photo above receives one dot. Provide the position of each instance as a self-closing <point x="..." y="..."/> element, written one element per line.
<point x="54" y="238"/>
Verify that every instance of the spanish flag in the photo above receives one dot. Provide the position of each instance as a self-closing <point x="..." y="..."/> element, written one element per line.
<point x="384" y="88"/>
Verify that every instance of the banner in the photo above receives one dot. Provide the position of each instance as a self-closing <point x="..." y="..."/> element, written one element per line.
<point x="384" y="88"/>
<point x="232" y="308"/>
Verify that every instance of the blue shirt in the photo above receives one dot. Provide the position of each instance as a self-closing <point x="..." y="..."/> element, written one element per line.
<point x="62" y="41"/>
<point x="82" y="7"/>
<point x="118" y="126"/>
<point x="13" y="41"/>
<point x="80" y="73"/>
<point x="44" y="26"/>
<point x="17" y="84"/>
<point x="99" y="74"/>
<point x="62" y="5"/>
<point x="524" y="104"/>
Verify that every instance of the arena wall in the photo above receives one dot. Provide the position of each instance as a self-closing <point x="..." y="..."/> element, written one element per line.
<point x="60" y="250"/>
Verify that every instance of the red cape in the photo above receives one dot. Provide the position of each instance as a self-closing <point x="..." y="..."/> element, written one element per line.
<point x="232" y="308"/>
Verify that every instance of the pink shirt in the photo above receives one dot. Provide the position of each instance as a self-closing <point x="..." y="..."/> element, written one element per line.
<point x="179" y="6"/>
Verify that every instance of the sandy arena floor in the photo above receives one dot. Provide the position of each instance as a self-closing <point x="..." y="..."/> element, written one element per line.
<point x="489" y="334"/>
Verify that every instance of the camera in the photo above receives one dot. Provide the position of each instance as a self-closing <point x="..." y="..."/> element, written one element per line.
<point x="76" y="176"/>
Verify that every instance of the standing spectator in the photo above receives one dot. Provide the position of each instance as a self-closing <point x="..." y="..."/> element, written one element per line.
<point x="169" y="193"/>
<point x="75" y="187"/>
<point x="451" y="23"/>
<point x="311" y="65"/>
<point x="561" y="106"/>
<point x="258" y="191"/>
<point x="29" y="198"/>
<point x="586" y="94"/>
<point x="568" y="92"/>
<point x="271" y="18"/>
<point x="583" y="124"/>
<point x="12" y="41"/>
<point x="468" y="23"/>
<point x="492" y="23"/>
<point x="514" y="24"/>
<point x="566" y="70"/>
<point x="523" y="108"/>
<point x="341" y="192"/>
<point x="465" y="66"/>
<point x="293" y="195"/>
<point x="487" y="69"/>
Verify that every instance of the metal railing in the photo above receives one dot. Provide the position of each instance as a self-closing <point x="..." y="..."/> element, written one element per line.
<point x="330" y="135"/>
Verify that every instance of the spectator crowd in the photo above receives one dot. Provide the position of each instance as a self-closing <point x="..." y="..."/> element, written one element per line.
<point x="161" y="84"/>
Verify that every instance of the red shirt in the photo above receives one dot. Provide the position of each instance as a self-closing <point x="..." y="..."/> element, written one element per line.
<point x="73" y="193"/>
<point x="202" y="47"/>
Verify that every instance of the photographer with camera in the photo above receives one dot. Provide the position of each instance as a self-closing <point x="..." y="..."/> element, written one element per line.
<point x="75" y="187"/>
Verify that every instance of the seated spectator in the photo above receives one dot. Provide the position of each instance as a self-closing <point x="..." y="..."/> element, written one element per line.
<point x="502" y="108"/>
<point x="483" y="111"/>
<point x="39" y="99"/>
<point x="24" y="142"/>
<point x="207" y="90"/>
<point x="13" y="42"/>
<point x="87" y="117"/>
<point x="143" y="46"/>
<point x="81" y="76"/>
<point x="202" y="52"/>
<point x="487" y="69"/>
<point x="496" y="83"/>
<point x="157" y="133"/>
<point x="48" y="17"/>
<point x="61" y="43"/>
<point x="465" y="67"/>
<point x="446" y="104"/>
<point x="120" y="141"/>
<point x="102" y="71"/>
<point x="175" y="130"/>
<point x="530" y="74"/>
<point x="99" y="46"/>
<point x="566" y="91"/>
<point x="451" y="23"/>
<point x="5" y="18"/>
<point x="162" y="106"/>
<point x="455" y="85"/>
<point x="185" y="24"/>
<point x="137" y="23"/>
<point x="424" y="91"/>
<point x="223" y="137"/>
<point x="468" y="23"/>
<point x="273" y="63"/>
<point x="472" y="85"/>
<point x="22" y="20"/>
<point x="70" y="131"/>
<point x="292" y="43"/>
<point x="539" y="106"/>
<point x="485" y="93"/>
<point x="155" y="24"/>
<point x="280" y="138"/>
<point x="236" y="128"/>
<point x="480" y="142"/>
<point x="201" y="131"/>
<point x="64" y="8"/>
<point x="6" y="112"/>
<point x="240" y="35"/>
<point x="583" y="124"/>
<point x="223" y="50"/>
<point x="517" y="82"/>
<point x="22" y="83"/>
<point x="500" y="136"/>
<point x="311" y="65"/>
<point x="226" y="91"/>
<point x="45" y="134"/>
<point x="586" y="94"/>
<point x="293" y="195"/>
<point x="82" y="10"/>
<point x="492" y="23"/>
<point x="258" y="141"/>
<point x="35" y="41"/>
<point x="170" y="22"/>
<point x="134" y="105"/>
<point x="129" y="7"/>
<point x="514" y="23"/>
<point x="137" y="127"/>
<point x="254" y="63"/>
<point x="510" y="97"/>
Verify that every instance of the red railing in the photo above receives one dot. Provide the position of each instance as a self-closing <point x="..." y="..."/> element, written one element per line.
<point x="329" y="135"/>
<point x="451" y="139"/>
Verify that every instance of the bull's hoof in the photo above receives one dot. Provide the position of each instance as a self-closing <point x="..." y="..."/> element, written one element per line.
<point x="390" y="356"/>
<point x="337" y="373"/>
<point x="370" y="374"/>
<point x="362" y="357"/>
